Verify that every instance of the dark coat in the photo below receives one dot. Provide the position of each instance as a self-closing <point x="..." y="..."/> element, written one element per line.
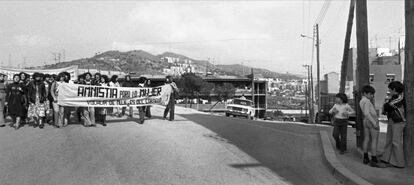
<point x="34" y="88"/>
<point x="395" y="108"/>
<point x="15" y="97"/>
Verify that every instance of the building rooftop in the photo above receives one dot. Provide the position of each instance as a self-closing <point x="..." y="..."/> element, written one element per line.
<point x="386" y="60"/>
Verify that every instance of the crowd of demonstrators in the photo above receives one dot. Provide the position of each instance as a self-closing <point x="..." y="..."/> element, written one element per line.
<point x="33" y="100"/>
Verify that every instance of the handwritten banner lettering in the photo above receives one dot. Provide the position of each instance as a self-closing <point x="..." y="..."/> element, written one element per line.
<point x="98" y="96"/>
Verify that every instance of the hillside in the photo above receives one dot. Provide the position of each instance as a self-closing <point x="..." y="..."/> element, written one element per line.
<point x="241" y="70"/>
<point x="142" y="62"/>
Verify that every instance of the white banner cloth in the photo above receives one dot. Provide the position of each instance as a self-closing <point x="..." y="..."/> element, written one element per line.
<point x="76" y="95"/>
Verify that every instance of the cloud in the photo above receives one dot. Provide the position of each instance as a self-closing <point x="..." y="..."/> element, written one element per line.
<point x="32" y="40"/>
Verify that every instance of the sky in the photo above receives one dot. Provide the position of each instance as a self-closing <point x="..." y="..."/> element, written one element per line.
<point x="263" y="34"/>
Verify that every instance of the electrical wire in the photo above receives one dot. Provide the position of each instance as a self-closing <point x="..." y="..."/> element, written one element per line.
<point x="322" y="12"/>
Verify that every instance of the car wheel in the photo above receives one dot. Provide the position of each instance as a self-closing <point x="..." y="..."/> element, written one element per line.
<point x="227" y="115"/>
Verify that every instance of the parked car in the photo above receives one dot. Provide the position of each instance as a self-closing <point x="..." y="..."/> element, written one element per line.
<point x="240" y="107"/>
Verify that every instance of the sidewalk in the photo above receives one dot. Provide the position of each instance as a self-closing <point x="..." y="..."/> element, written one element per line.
<point x="378" y="176"/>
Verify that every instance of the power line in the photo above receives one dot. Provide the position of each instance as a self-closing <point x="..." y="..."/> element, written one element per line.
<point x="322" y="12"/>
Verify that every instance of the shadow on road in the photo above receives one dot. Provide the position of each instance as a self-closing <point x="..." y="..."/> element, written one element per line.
<point x="290" y="150"/>
<point x="247" y="165"/>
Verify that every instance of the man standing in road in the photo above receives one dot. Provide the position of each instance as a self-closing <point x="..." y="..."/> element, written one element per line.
<point x="171" y="103"/>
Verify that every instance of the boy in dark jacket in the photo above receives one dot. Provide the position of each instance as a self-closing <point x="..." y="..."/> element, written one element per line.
<point x="394" y="108"/>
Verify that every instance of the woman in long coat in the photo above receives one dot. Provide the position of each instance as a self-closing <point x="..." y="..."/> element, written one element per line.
<point x="37" y="100"/>
<point x="15" y="100"/>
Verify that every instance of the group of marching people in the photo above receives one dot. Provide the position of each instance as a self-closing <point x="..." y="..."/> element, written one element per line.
<point x="33" y="100"/>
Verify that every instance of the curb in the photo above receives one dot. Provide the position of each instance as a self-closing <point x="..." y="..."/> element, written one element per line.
<point x="338" y="169"/>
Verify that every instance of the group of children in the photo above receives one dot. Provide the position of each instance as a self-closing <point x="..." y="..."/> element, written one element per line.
<point x="394" y="109"/>
<point x="33" y="100"/>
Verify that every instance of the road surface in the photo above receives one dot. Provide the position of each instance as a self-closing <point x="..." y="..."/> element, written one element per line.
<point x="126" y="153"/>
<point x="291" y="150"/>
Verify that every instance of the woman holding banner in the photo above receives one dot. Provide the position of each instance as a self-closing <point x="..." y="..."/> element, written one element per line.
<point x="116" y="111"/>
<point x="58" y="110"/>
<point x="102" y="111"/>
<point x="79" y="110"/>
<point x="88" y="112"/>
<point x="15" y="100"/>
<point x="128" y="83"/>
<point x="142" y="109"/>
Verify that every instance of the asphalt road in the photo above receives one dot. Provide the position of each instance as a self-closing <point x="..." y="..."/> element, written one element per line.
<point x="291" y="150"/>
<point x="126" y="153"/>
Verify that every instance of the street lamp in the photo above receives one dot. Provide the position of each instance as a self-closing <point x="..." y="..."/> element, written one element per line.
<point x="305" y="36"/>
<point x="318" y="92"/>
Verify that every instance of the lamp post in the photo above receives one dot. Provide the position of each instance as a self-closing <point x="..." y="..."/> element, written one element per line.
<point x="318" y="92"/>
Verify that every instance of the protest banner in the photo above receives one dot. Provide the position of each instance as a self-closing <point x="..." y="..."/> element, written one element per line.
<point x="73" y="70"/>
<point x="76" y="95"/>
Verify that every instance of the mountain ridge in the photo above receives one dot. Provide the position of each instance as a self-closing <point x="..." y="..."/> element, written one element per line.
<point x="143" y="62"/>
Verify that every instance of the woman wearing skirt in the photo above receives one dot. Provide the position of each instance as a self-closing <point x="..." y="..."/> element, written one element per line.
<point x="37" y="100"/>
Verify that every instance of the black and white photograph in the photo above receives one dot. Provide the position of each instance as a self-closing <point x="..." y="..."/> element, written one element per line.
<point x="207" y="92"/>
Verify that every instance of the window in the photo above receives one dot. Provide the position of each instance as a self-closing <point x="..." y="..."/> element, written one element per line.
<point x="390" y="78"/>
<point x="371" y="78"/>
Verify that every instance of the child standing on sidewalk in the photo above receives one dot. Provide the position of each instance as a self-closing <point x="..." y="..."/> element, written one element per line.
<point x="371" y="125"/>
<point x="394" y="108"/>
<point x="341" y="111"/>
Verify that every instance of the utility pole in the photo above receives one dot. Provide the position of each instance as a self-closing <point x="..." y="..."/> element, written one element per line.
<point x="344" y="66"/>
<point x="207" y="66"/>
<point x="362" y="68"/>
<point x="309" y="94"/>
<point x="409" y="82"/>
<point x="253" y="91"/>
<point x="312" y="93"/>
<point x="318" y="71"/>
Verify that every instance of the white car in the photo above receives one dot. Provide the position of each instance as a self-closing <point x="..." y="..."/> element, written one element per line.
<point x="240" y="107"/>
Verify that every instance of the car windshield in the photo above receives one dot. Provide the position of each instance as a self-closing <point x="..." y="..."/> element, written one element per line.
<point x="242" y="102"/>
